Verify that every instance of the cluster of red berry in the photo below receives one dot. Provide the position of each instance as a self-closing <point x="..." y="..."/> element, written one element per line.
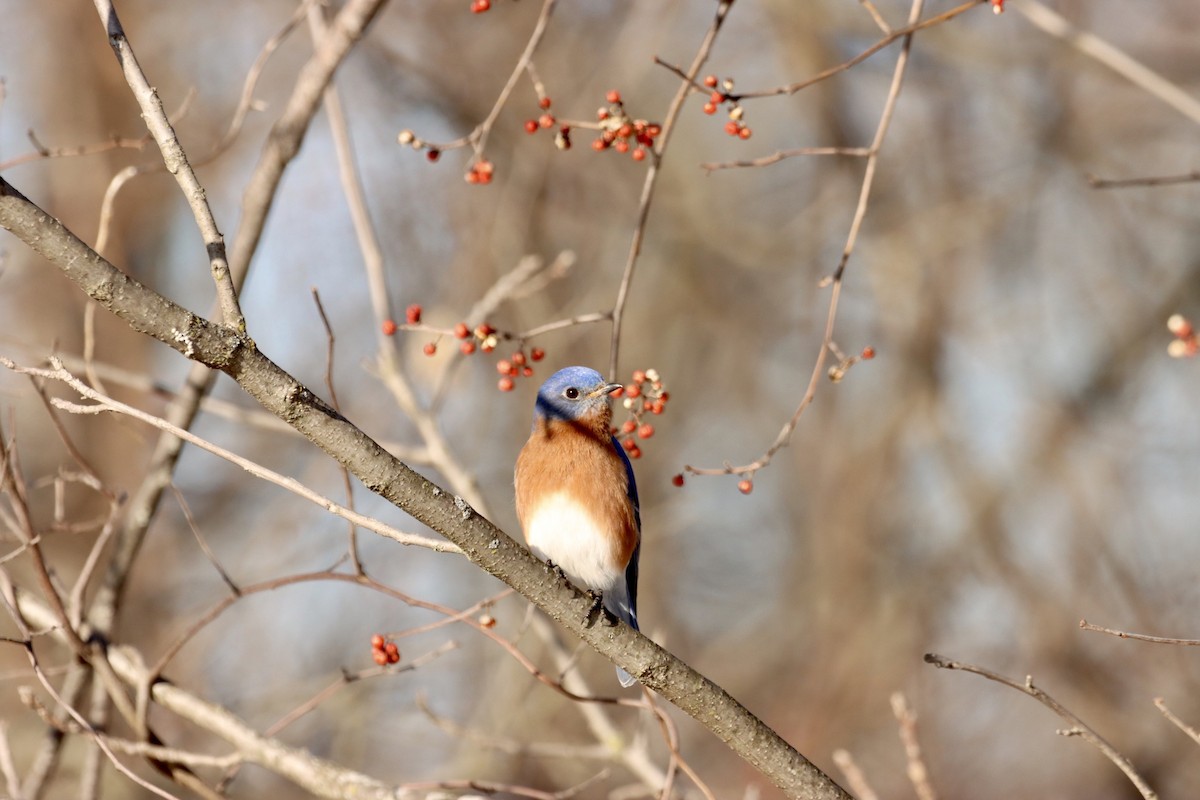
<point x="1185" y="344"/>
<point x="545" y="120"/>
<point x="723" y="96"/>
<point x="384" y="651"/>
<point x="643" y="394"/>
<point x="623" y="133"/>
<point x="480" y="172"/>
<point x="517" y="366"/>
<point x="483" y="338"/>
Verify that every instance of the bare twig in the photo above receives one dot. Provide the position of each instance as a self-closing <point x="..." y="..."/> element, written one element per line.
<point x="1161" y="705"/>
<point x="1149" y="181"/>
<point x="1117" y="60"/>
<point x="918" y="774"/>
<point x="855" y="778"/>
<point x="176" y="162"/>
<point x="105" y="403"/>
<point x="1078" y="727"/>
<point x="1141" y="637"/>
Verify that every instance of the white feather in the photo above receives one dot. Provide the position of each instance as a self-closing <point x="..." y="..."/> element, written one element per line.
<point x="566" y="533"/>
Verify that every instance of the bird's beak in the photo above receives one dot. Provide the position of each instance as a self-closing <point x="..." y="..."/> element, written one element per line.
<point x="604" y="389"/>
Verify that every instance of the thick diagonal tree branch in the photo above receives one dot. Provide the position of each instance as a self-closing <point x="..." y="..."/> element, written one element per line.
<point x="482" y="542"/>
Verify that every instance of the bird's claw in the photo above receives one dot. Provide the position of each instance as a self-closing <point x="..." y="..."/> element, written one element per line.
<point x="597" y="607"/>
<point x="556" y="570"/>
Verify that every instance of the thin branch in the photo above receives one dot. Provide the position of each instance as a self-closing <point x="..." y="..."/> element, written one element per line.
<point x="1176" y="721"/>
<point x="918" y="773"/>
<point x="105" y="403"/>
<point x="775" y="158"/>
<point x="1153" y="180"/>
<point x="1078" y="727"/>
<point x="1118" y="61"/>
<point x="785" y="434"/>
<point x="651" y="180"/>
<point x="176" y="163"/>
<point x="1141" y="637"/>
<point x="856" y="779"/>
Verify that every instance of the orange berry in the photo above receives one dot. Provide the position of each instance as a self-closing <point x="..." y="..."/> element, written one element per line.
<point x="461" y="330"/>
<point x="711" y="82"/>
<point x="657" y="407"/>
<point x="505" y="384"/>
<point x="377" y="641"/>
<point x="646" y="431"/>
<point x="732" y="128"/>
<point x="613" y="96"/>
<point x="716" y="98"/>
<point x="599" y="144"/>
<point x="635" y="451"/>
<point x="868" y="353"/>
<point x="503" y="367"/>
<point x="527" y="372"/>
<point x="709" y="108"/>
<point x="380" y="657"/>
<point x="389" y="327"/>
<point x="628" y="426"/>
<point x="745" y="486"/>
<point x="429" y="349"/>
<point x="546" y="120"/>
<point x="630" y="445"/>
<point x="537" y="354"/>
<point x="621" y="146"/>
<point x="638" y="155"/>
<point x="467" y="348"/>
<point x="677" y="480"/>
<point x="413" y="314"/>
<point x="518" y="358"/>
<point x="744" y="133"/>
<point x="480" y="6"/>
<point x="632" y="391"/>
<point x="639" y="376"/>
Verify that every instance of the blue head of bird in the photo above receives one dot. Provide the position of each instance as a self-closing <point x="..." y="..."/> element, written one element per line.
<point x="575" y="394"/>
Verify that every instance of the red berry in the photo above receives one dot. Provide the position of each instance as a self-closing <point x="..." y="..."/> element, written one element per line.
<point x="665" y="396"/>
<point x="503" y="367"/>
<point x="628" y="426"/>
<point x="744" y="133"/>
<point x="483" y="330"/>
<point x="471" y="176"/>
<point x="621" y="146"/>
<point x="518" y="358"/>
<point x="537" y="354"/>
<point x="505" y="384"/>
<point x="709" y="108"/>
<point x="433" y="154"/>
<point x="646" y="431"/>
<point x="377" y="641"/>
<point x="677" y="480"/>
<point x="461" y="330"/>
<point x="467" y="348"/>
<point x="613" y="96"/>
<point x="639" y="376"/>
<point x="638" y="155"/>
<point x="413" y="314"/>
<point x="732" y="128"/>
<point x="635" y="451"/>
<point x="429" y="349"/>
<point x="630" y="445"/>
<point x="531" y="126"/>
<point x="546" y="120"/>
<point x="480" y="6"/>
<point x="653" y="129"/>
<point x="599" y="144"/>
<point x="625" y="131"/>
<point x="544" y="102"/>
<point x="379" y="657"/>
<point x="602" y="114"/>
<point x="868" y="353"/>
<point x="616" y="393"/>
<point x="657" y="407"/>
<point x="527" y="372"/>
<point x="632" y="391"/>
<point x="745" y="486"/>
<point x="716" y="98"/>
<point x="711" y="82"/>
<point x="389" y="327"/>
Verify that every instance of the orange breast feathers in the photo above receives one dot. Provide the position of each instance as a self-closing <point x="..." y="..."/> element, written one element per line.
<point x="572" y="494"/>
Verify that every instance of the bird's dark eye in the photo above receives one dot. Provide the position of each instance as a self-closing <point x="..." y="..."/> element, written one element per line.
<point x="571" y="393"/>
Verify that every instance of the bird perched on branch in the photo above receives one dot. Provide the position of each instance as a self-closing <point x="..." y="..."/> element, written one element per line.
<point x="576" y="496"/>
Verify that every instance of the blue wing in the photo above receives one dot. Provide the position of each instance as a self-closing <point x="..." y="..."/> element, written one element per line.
<point x="631" y="571"/>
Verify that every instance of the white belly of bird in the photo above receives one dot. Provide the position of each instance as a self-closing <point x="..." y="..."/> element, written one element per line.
<point x="566" y="533"/>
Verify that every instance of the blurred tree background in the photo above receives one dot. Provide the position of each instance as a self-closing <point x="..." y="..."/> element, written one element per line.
<point x="1020" y="454"/>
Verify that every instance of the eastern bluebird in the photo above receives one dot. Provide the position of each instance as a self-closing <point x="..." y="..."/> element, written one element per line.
<point x="576" y="497"/>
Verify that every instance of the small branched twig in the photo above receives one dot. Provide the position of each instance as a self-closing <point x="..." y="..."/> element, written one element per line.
<point x="1141" y="637"/>
<point x="1077" y="726"/>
